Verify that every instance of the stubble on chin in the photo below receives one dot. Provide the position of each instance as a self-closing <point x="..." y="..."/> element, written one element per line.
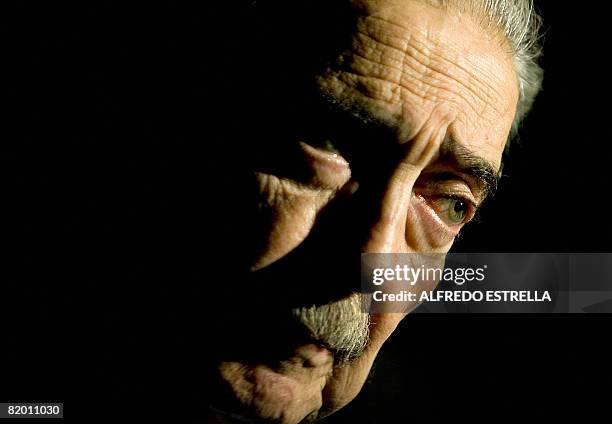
<point x="341" y="326"/>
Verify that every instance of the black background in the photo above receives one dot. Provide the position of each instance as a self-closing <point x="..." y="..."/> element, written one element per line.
<point x="106" y="110"/>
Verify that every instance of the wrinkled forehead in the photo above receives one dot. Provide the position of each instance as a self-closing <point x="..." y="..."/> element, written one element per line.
<point x="408" y="59"/>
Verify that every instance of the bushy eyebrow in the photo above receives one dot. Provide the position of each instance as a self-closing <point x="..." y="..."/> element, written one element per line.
<point x="481" y="174"/>
<point x="468" y="163"/>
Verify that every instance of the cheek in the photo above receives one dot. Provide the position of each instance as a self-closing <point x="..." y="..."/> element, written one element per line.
<point x="425" y="232"/>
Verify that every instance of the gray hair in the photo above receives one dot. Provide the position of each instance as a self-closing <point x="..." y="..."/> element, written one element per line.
<point x="515" y="22"/>
<point x="519" y="25"/>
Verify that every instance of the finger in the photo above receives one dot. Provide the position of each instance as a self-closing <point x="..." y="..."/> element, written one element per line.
<point x="387" y="234"/>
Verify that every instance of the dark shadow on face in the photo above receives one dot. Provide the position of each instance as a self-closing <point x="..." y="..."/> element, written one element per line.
<point x="144" y="147"/>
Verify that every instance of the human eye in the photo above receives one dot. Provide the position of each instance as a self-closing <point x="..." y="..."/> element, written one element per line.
<point x="444" y="209"/>
<point x="450" y="199"/>
<point x="453" y="210"/>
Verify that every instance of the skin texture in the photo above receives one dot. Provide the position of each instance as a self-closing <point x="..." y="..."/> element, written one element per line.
<point x="431" y="76"/>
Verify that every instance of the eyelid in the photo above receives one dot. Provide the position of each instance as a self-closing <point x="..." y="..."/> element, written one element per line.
<point x="446" y="181"/>
<point x="433" y="223"/>
<point x="446" y="190"/>
<point x="431" y="199"/>
<point x="473" y="205"/>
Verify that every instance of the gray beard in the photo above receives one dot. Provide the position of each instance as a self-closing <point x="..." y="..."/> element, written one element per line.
<point x="340" y="326"/>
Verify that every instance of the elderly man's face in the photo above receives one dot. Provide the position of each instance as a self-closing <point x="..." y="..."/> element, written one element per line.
<point x="443" y="92"/>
